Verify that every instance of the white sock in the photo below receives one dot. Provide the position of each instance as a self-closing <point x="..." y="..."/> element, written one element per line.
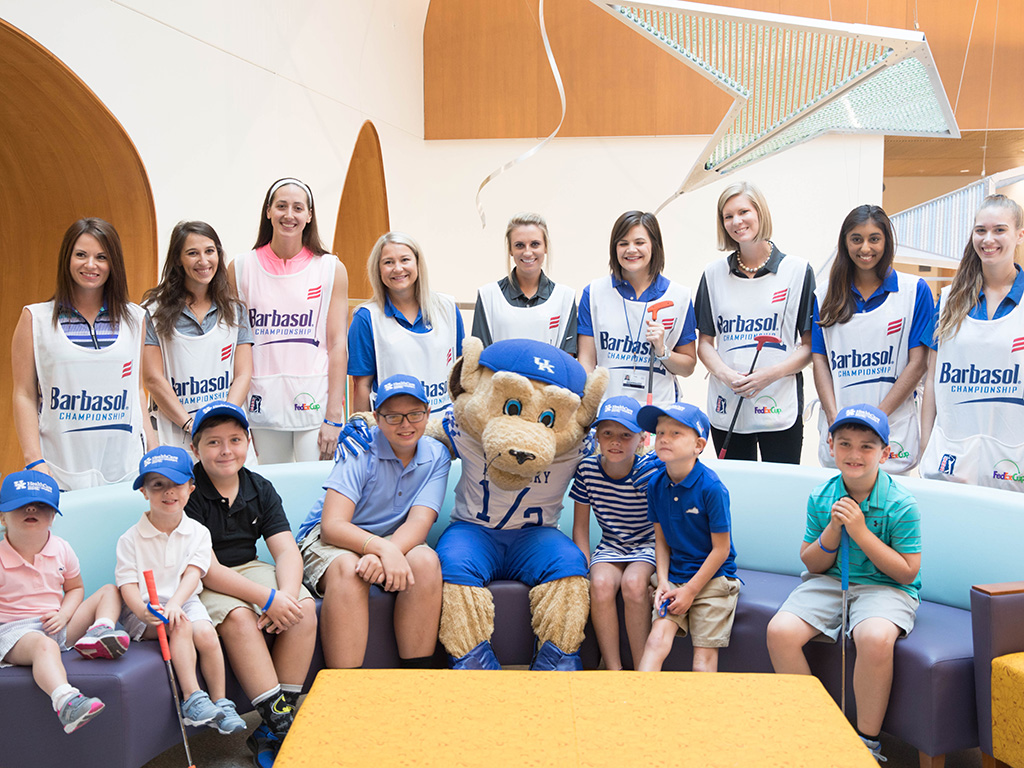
<point x="289" y="688"/>
<point x="273" y="692"/>
<point x="62" y="694"/>
<point x="105" y="623"/>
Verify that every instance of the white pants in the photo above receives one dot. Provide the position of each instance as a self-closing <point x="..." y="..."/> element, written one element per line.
<point x="277" y="447"/>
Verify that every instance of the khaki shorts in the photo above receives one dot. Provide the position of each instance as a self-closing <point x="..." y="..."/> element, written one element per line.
<point x="317" y="555"/>
<point x="711" y="614"/>
<point x="220" y="605"/>
<point x="193" y="609"/>
<point x="819" y="601"/>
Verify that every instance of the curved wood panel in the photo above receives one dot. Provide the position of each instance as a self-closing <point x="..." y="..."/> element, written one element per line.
<point x="63" y="156"/>
<point x="363" y="210"/>
<point x="485" y="74"/>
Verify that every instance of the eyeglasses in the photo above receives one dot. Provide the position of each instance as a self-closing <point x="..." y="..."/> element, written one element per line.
<point x="394" y="419"/>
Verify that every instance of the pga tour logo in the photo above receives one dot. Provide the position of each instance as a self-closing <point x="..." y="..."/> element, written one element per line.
<point x="720" y="405"/>
<point x="947" y="463"/>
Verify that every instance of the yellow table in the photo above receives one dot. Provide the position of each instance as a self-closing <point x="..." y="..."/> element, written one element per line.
<point x="385" y="718"/>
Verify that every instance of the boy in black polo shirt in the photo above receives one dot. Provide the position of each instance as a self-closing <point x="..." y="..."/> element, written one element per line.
<point x="246" y="597"/>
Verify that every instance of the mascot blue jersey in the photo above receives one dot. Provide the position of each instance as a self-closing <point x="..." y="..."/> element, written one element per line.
<point x="539" y="503"/>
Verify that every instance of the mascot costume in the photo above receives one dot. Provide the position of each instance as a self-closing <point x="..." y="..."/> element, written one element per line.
<point x="521" y="414"/>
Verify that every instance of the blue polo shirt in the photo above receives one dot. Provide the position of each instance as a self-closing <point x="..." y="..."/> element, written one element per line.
<point x="585" y="323"/>
<point x="383" y="490"/>
<point x="688" y="513"/>
<point x="891" y="514"/>
<point x="980" y="310"/>
<point x="362" y="359"/>
<point x="922" y="325"/>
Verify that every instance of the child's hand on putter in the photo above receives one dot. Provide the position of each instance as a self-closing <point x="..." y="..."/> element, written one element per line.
<point x="680" y="600"/>
<point x="846" y="511"/>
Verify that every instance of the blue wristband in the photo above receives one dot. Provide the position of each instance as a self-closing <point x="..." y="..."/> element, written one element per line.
<point x="826" y="549"/>
<point x="35" y="463"/>
<point x="330" y="423"/>
<point x="155" y="612"/>
<point x="266" y="607"/>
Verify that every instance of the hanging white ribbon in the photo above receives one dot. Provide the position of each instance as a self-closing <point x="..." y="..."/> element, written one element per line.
<point x="535" y="149"/>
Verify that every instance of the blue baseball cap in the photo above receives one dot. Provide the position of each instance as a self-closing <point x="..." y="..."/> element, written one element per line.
<point x="400" y="384"/>
<point x="219" y="408"/>
<point x="171" y="462"/>
<point x="686" y="414"/>
<point x="536" y="360"/>
<point x="621" y="409"/>
<point x="867" y="416"/>
<point x="29" y="487"/>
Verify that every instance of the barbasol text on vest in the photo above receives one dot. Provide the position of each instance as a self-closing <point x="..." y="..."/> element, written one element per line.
<point x="275" y="319"/>
<point x="85" y="401"/>
<point x="196" y="386"/>
<point x="741" y="324"/>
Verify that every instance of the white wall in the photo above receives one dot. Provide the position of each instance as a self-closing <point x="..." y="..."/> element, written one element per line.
<point x="222" y="98"/>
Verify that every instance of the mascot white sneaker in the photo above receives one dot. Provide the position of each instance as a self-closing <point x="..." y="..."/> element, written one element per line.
<point x="522" y="412"/>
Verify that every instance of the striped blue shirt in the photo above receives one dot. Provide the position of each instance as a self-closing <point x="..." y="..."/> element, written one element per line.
<point x="99" y="335"/>
<point x="620" y="507"/>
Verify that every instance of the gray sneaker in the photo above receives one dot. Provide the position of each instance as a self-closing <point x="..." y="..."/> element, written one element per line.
<point x="197" y="709"/>
<point x="78" y="711"/>
<point x="875" y="748"/>
<point x="231" y="722"/>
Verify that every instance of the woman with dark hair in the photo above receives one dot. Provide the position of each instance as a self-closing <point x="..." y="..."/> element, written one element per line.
<point x="971" y="418"/>
<point x="405" y="328"/>
<point x="526" y="303"/>
<point x="198" y="341"/>
<point x="869" y="340"/>
<point x="754" y="291"/>
<point x="75" y="359"/>
<point x="636" y="317"/>
<point x="297" y="296"/>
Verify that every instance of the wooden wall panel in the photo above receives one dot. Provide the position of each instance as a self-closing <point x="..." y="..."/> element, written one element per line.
<point x="63" y="156"/>
<point x="486" y="74"/>
<point x="362" y="212"/>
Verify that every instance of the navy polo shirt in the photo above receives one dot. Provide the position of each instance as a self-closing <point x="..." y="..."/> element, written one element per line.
<point x="257" y="511"/>
<point x="688" y="513"/>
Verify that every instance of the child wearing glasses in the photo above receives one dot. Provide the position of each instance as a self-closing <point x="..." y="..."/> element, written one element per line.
<point x="370" y="527"/>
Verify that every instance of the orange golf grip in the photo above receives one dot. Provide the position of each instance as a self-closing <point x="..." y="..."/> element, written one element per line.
<point x="154" y="600"/>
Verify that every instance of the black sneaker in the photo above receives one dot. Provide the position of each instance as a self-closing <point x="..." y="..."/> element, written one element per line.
<point x="264" y="745"/>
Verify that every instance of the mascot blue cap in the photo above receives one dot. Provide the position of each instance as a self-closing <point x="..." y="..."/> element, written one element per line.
<point x="537" y="361"/>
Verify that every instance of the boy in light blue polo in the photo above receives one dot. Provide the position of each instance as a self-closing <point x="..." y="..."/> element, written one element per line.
<point x="370" y="527"/>
<point x="695" y="560"/>
<point x="884" y="528"/>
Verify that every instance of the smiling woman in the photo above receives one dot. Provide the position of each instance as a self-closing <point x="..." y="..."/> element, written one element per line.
<point x="75" y="360"/>
<point x="406" y="328"/>
<point x="297" y="295"/>
<point x="198" y="340"/>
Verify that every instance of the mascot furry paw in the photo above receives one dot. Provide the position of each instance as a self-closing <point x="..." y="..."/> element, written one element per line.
<point x="522" y="410"/>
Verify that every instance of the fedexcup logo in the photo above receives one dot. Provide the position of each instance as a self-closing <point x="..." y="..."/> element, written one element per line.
<point x="765" y="404"/>
<point x="1006" y="469"/>
<point x="305" y="402"/>
<point x="897" y="451"/>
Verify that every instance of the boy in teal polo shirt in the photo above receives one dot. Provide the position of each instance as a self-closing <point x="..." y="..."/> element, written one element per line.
<point x="884" y="528"/>
<point x="370" y="527"/>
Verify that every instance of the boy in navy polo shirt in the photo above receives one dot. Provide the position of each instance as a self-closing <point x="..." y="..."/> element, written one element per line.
<point x="696" y="562"/>
<point x="244" y="596"/>
<point x="884" y="528"/>
<point x="370" y="527"/>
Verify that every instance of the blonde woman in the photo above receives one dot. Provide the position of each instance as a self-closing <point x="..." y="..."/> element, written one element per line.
<point x="527" y="303"/>
<point x="405" y="328"/>
<point x="973" y="414"/>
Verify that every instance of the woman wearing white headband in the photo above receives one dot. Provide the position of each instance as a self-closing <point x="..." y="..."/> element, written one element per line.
<point x="297" y="295"/>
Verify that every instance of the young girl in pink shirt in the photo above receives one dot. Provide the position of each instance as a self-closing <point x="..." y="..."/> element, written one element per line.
<point x="41" y="605"/>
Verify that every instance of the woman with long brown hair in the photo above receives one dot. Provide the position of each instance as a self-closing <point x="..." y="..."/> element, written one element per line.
<point x="76" y="359"/>
<point x="297" y="296"/>
<point x="973" y="412"/>
<point x="198" y="341"/>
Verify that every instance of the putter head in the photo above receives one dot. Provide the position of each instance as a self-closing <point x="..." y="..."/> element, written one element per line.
<point x="762" y="340"/>
<point x="655" y="308"/>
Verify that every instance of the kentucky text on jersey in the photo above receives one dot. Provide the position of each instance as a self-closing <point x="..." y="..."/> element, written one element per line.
<point x="196" y="386"/>
<point x="624" y="344"/>
<point x="262" y="322"/>
<point x="741" y="324"/>
<point x="846" y="364"/>
<point x="980" y="376"/>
